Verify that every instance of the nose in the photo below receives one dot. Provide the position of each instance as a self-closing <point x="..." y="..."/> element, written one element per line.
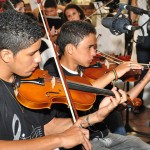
<point x="37" y="57"/>
<point x="93" y="52"/>
<point x="72" y="18"/>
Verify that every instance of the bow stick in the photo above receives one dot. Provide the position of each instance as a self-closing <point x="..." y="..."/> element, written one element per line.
<point x="119" y="61"/>
<point x="55" y="55"/>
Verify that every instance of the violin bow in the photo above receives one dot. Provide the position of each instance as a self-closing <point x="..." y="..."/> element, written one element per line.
<point x="59" y="68"/>
<point x="10" y="4"/>
<point x="111" y="58"/>
<point x="119" y="61"/>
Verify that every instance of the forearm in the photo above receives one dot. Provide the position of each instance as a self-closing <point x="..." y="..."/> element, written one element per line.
<point x="95" y="117"/>
<point x="134" y="92"/>
<point x="104" y="80"/>
<point x="42" y="143"/>
<point x="64" y="124"/>
<point x="58" y="125"/>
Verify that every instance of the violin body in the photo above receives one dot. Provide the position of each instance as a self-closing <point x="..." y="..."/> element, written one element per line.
<point x="50" y="91"/>
<point x="93" y="73"/>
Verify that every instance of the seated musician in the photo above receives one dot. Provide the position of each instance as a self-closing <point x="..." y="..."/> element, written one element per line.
<point x="75" y="12"/>
<point x="25" y="128"/>
<point x="54" y="17"/>
<point x="18" y="5"/>
<point x="77" y="47"/>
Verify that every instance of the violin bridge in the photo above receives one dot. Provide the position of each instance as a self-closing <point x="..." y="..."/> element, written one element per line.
<point x="53" y="81"/>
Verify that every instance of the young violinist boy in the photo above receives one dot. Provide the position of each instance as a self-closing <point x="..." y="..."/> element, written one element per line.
<point x="23" y="128"/>
<point x="77" y="47"/>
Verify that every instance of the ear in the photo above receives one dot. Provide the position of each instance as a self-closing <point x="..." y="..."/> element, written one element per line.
<point x="6" y="55"/>
<point x="70" y="48"/>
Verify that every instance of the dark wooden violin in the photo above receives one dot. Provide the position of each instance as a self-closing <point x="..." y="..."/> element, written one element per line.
<point x="40" y="90"/>
<point x="100" y="66"/>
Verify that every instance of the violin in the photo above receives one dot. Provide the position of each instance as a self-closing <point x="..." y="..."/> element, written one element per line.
<point x="49" y="90"/>
<point x="100" y="66"/>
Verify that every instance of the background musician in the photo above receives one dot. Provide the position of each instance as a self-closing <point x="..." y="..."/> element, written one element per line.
<point x="77" y="47"/>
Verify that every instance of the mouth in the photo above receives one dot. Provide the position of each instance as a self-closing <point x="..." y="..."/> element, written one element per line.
<point x="34" y="68"/>
<point x="90" y="61"/>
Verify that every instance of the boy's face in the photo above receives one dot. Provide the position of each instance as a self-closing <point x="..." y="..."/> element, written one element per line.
<point x="20" y="7"/>
<point x="51" y="11"/>
<point x="85" y="51"/>
<point x="26" y="60"/>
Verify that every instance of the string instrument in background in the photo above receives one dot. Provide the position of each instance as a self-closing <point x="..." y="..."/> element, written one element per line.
<point x="103" y="63"/>
<point x="49" y="90"/>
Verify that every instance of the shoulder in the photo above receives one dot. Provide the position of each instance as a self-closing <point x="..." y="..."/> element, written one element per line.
<point x="51" y="67"/>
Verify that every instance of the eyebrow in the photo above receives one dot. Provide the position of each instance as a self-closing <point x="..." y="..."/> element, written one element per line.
<point x="92" y="45"/>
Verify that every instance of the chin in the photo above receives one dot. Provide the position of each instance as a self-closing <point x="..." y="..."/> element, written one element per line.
<point x="27" y="74"/>
<point x="87" y="65"/>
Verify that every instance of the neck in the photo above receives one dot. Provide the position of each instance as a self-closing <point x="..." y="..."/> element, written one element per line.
<point x="69" y="64"/>
<point x="6" y="74"/>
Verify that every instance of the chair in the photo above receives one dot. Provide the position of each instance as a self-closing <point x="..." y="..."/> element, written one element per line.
<point x="46" y="51"/>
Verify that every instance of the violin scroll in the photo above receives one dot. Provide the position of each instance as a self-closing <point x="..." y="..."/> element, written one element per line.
<point x="136" y="102"/>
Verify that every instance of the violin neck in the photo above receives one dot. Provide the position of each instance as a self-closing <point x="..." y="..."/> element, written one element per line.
<point x="90" y="89"/>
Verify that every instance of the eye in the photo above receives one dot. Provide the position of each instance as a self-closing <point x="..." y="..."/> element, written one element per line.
<point x="93" y="47"/>
<point x="33" y="53"/>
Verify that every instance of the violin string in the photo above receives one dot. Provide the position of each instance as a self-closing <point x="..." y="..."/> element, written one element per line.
<point x="107" y="57"/>
<point x="111" y="56"/>
<point x="22" y="109"/>
<point x="112" y="60"/>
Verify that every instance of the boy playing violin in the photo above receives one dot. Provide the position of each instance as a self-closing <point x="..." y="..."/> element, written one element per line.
<point x="77" y="47"/>
<point x="23" y="128"/>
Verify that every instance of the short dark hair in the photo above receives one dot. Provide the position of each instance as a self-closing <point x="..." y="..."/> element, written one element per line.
<point x="15" y="2"/>
<point x="74" y="6"/>
<point x="50" y="3"/>
<point x="73" y="32"/>
<point x="18" y="31"/>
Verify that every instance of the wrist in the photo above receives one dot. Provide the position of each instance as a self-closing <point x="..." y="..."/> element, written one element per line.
<point x="100" y="116"/>
<point x="115" y="74"/>
<point x="56" y="141"/>
<point x="87" y="119"/>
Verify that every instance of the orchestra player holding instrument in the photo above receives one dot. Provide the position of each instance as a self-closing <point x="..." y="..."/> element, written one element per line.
<point x="77" y="47"/>
<point x="24" y="128"/>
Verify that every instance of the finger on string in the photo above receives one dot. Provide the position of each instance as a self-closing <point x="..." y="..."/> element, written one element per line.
<point x="117" y="95"/>
<point x="123" y="95"/>
<point x="80" y="123"/>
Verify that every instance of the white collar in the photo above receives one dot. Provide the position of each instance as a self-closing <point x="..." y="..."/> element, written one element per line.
<point x="70" y="71"/>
